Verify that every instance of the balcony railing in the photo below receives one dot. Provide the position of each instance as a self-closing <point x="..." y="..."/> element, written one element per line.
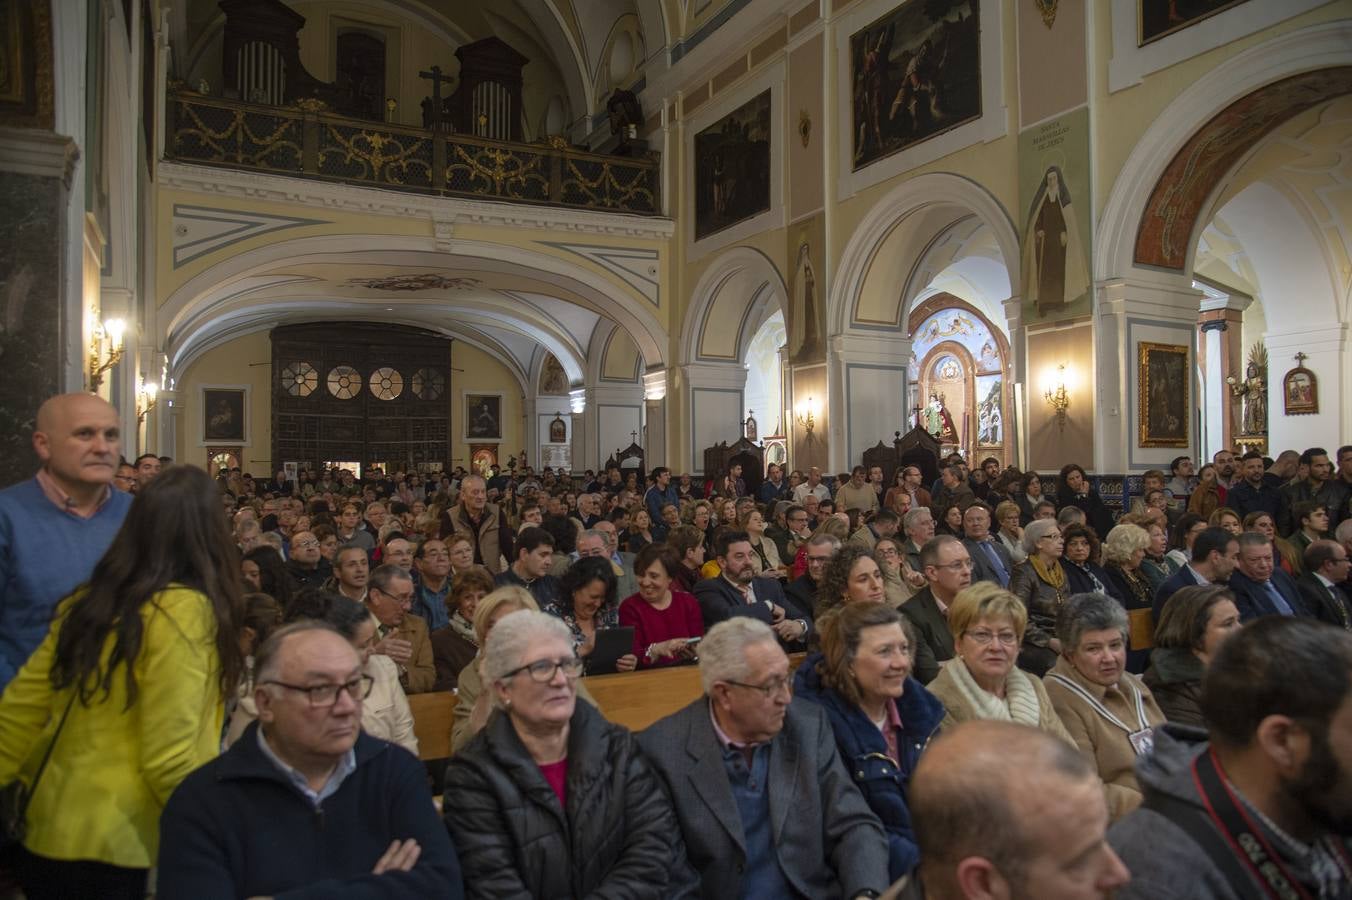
<point x="308" y="143"/>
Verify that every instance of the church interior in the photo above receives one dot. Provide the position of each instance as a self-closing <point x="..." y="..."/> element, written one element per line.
<point x="411" y="235"/>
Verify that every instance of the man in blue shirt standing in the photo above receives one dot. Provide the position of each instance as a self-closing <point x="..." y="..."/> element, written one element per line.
<point x="660" y="494"/>
<point x="68" y="512"/>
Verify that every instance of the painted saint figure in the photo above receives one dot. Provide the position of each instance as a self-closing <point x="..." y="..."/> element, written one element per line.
<point x="1053" y="255"/>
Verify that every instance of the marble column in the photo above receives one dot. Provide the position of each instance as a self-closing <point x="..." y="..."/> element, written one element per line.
<point x="35" y="184"/>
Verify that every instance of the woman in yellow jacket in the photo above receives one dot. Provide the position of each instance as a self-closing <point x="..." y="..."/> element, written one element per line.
<point x="137" y="663"/>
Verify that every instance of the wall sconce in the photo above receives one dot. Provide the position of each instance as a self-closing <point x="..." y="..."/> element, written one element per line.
<point x="105" y="349"/>
<point x="807" y="415"/>
<point x="147" y="395"/>
<point x="1057" y="396"/>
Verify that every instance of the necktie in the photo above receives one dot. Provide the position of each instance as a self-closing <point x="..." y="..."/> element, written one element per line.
<point x="1278" y="600"/>
<point x="994" y="557"/>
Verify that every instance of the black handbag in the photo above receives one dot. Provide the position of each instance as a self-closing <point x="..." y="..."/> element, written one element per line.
<point x="15" y="796"/>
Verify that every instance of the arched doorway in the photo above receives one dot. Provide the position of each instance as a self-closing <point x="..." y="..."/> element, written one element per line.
<point x="958" y="377"/>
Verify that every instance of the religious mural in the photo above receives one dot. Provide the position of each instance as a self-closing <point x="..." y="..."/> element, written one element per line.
<point x="915" y="73"/>
<point x="1054" y="194"/>
<point x="553" y="380"/>
<point x="732" y="167"/>
<point x="1161" y="18"/>
<point x="956" y="379"/>
<point x="806" y="325"/>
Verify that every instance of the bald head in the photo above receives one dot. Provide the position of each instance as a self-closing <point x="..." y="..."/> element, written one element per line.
<point x="79" y="441"/>
<point x="994" y="801"/>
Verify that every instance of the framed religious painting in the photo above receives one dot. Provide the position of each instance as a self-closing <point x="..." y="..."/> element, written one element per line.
<point x="1300" y="390"/>
<point x="483" y="417"/>
<point x="225" y="414"/>
<point x="1162" y="380"/>
<point x="732" y="167"/>
<point x="1161" y="18"/>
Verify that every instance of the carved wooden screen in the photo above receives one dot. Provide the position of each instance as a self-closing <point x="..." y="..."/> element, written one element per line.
<point x="374" y="394"/>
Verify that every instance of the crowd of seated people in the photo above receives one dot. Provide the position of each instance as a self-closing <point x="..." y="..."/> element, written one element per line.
<point x="218" y="687"/>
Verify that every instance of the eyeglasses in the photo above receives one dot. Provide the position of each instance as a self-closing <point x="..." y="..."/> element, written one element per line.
<point x="322" y="696"/>
<point x="769" y="690"/>
<point x="542" y="670"/>
<point x="961" y="565"/>
<point x="887" y="551"/>
<point x="1008" y="638"/>
<point x="306" y="545"/>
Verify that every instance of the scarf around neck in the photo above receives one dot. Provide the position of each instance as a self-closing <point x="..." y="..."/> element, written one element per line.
<point x="1020" y="703"/>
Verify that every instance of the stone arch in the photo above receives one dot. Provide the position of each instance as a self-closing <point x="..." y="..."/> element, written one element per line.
<point x="1157" y="203"/>
<point x="912" y="197"/>
<point x="195" y="298"/>
<point x="734" y="269"/>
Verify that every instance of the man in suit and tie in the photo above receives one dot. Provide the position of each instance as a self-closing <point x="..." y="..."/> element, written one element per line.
<point x="990" y="558"/>
<point x="1322" y="585"/>
<point x="736" y="591"/>
<point x="1260" y="589"/>
<point x="1214" y="553"/>
<point x="765" y="805"/>
<point x="947" y="566"/>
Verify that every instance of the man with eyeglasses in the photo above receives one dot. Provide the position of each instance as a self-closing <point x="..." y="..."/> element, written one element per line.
<point x="738" y="591"/>
<point x="402" y="637"/>
<point x="803" y="589"/>
<point x="305" y="563"/>
<point x="305" y="802"/>
<point x="947" y="566"/>
<point x="766" y="807"/>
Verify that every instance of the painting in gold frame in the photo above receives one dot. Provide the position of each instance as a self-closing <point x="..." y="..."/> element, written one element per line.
<point x="1300" y="392"/>
<point x="1162" y="379"/>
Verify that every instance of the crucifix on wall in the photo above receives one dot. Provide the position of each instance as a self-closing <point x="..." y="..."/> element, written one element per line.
<point x="433" y="108"/>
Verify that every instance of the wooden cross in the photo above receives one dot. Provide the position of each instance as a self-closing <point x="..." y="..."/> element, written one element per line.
<point x="1300" y="359"/>
<point x="915" y="415"/>
<point x="634" y="436"/>
<point x="436" y="78"/>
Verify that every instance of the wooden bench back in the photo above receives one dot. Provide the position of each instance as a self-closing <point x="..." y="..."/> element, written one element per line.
<point x="432" y="723"/>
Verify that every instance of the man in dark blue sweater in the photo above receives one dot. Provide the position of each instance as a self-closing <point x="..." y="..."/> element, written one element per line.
<point x="55" y="526"/>
<point x="304" y="806"/>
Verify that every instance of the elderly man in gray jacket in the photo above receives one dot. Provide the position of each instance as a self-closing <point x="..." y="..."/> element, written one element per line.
<point x="766" y="807"/>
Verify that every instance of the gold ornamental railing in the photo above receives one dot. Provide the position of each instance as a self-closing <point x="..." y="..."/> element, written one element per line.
<point x="309" y="143"/>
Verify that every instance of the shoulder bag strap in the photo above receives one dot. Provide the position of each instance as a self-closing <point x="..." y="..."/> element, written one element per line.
<point x="1197" y="825"/>
<point x="42" y="766"/>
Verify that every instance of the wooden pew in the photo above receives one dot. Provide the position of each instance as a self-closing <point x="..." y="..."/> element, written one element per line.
<point x="432" y="723"/>
<point x="638" y="699"/>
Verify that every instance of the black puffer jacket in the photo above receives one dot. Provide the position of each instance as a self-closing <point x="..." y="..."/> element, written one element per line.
<point x="618" y="837"/>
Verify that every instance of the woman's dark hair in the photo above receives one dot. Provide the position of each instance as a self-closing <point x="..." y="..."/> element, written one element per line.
<point x="835" y="581"/>
<point x="941" y="525"/>
<point x="1178" y="535"/>
<point x="475" y="578"/>
<point x="582" y="573"/>
<point x="344" y="614"/>
<point x="174" y="533"/>
<point x="1076" y="530"/>
<point x="262" y="614"/>
<point x="1027" y="478"/>
<point x="563" y="531"/>
<point x="273" y="578"/>
<point x="1063" y="491"/>
<point x="1182" y="622"/>
<point x="662" y="554"/>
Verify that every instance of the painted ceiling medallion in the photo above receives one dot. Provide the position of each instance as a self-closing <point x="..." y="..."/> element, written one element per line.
<point x="1048" y="10"/>
<point x="426" y="282"/>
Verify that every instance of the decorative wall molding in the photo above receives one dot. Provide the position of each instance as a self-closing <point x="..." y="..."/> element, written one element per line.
<point x="202" y="230"/>
<point x="444" y="212"/>
<point x="636" y="267"/>
<point x="28" y="151"/>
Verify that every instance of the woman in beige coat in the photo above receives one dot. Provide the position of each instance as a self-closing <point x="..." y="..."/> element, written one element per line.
<point x="1109" y="712"/>
<point x="981" y="681"/>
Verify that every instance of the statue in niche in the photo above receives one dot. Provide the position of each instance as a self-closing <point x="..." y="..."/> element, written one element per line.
<point x="1253" y="391"/>
<point x="805" y="316"/>
<point x="938" y="420"/>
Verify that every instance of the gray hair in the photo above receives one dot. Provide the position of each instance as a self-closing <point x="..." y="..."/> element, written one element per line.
<point x="914" y="516"/>
<point x="268" y="657"/>
<point x="512" y="636"/>
<point x="380" y="579"/>
<point x="1088" y="612"/>
<point x="1252" y="539"/>
<point x="1343" y="533"/>
<point x="1035" y="531"/>
<point x="722" y="653"/>
<point x="818" y="540"/>
<point x="1123" y="541"/>
<point x="596" y="533"/>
